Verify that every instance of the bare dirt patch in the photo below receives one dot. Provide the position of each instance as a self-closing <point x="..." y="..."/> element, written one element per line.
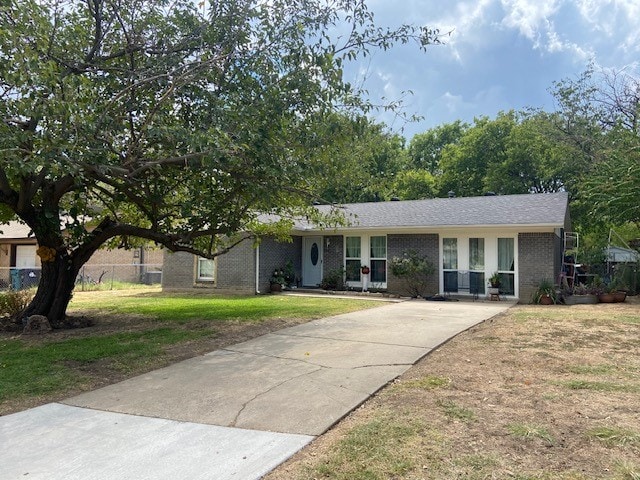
<point x="535" y="393"/>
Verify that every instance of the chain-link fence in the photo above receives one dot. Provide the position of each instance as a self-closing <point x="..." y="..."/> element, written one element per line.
<point x="91" y="277"/>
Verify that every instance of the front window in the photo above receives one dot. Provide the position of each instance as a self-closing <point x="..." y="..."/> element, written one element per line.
<point x="450" y="253"/>
<point x="378" y="256"/>
<point x="353" y="255"/>
<point x="506" y="265"/>
<point x="206" y="269"/>
<point x="476" y="265"/>
<point x="450" y="264"/>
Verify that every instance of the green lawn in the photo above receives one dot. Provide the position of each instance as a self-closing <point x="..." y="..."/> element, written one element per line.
<point x="186" y="308"/>
<point x="144" y="327"/>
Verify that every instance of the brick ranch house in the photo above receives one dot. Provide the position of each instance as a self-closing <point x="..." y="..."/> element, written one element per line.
<point x="467" y="238"/>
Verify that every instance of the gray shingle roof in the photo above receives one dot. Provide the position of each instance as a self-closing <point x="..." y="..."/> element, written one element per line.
<point x="549" y="209"/>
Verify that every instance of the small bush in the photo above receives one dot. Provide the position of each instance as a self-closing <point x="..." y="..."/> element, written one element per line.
<point x="415" y="270"/>
<point x="13" y="302"/>
<point x="333" y="280"/>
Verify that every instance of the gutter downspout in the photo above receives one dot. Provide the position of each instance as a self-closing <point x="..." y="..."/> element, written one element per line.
<point x="258" y="269"/>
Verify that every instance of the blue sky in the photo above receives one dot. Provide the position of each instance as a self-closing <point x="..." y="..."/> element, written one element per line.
<point x="501" y="54"/>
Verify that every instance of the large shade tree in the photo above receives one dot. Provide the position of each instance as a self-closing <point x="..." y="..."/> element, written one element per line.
<point x="174" y="122"/>
<point x="517" y="152"/>
<point x="600" y="115"/>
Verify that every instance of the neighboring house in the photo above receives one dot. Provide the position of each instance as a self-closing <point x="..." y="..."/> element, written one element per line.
<point x="468" y="239"/>
<point x="621" y="255"/>
<point x="20" y="265"/>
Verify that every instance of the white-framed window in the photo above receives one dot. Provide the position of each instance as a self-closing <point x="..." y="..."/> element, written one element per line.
<point x="467" y="261"/>
<point x="353" y="258"/>
<point x="506" y="265"/>
<point x="378" y="257"/>
<point x="370" y="251"/>
<point x="205" y="270"/>
<point x="476" y="265"/>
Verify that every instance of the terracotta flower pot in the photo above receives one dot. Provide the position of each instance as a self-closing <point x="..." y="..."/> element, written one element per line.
<point x="619" y="296"/>
<point x="606" y="298"/>
<point x="546" y="300"/>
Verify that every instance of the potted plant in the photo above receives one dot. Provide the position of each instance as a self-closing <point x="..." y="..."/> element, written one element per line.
<point x="607" y="295"/>
<point x="581" y="294"/>
<point x="619" y="289"/>
<point x="277" y="281"/>
<point x="494" y="284"/>
<point x="494" y="280"/>
<point x="545" y="294"/>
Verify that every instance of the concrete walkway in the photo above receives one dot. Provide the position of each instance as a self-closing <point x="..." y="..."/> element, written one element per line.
<point x="234" y="413"/>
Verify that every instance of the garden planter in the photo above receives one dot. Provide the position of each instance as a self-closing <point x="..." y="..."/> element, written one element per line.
<point x="581" y="299"/>
<point x="276" y="287"/>
<point x="606" y="298"/>
<point x="546" y="300"/>
<point x="619" y="296"/>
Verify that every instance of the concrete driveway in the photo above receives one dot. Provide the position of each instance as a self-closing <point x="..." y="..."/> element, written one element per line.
<point x="234" y="413"/>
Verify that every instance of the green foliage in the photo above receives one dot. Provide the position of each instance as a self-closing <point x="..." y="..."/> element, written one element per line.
<point x="333" y="280"/>
<point x="378" y="449"/>
<point x="415" y="270"/>
<point x="12" y="302"/>
<point x="494" y="280"/>
<point x="528" y="431"/>
<point x="177" y="124"/>
<point x="284" y="276"/>
<point x="545" y="288"/>
<point x="360" y="161"/>
<point x="186" y="308"/>
<point x="615" y="437"/>
<point x="413" y="185"/>
<point x="465" y="165"/>
<point x="456" y="412"/>
<point x="599" y="117"/>
<point x="32" y="370"/>
<point x="425" y="149"/>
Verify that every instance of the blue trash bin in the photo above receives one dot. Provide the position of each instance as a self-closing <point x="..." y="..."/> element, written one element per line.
<point x="16" y="281"/>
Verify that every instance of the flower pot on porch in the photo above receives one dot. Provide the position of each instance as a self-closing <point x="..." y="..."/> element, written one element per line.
<point x="276" y="287"/>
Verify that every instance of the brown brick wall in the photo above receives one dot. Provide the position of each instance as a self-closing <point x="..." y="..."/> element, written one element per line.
<point x="427" y="244"/>
<point x="537" y="254"/>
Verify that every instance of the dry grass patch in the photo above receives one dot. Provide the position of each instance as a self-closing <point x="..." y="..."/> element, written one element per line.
<point x="538" y="393"/>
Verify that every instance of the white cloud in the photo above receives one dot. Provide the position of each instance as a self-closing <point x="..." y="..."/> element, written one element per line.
<point x="531" y="18"/>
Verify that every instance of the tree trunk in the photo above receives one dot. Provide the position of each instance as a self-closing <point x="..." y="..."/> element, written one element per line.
<point x="57" y="281"/>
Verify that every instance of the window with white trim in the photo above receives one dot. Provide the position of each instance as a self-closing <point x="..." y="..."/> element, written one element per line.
<point x="378" y="257"/>
<point x="206" y="270"/>
<point x="506" y="265"/>
<point x="353" y="258"/>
